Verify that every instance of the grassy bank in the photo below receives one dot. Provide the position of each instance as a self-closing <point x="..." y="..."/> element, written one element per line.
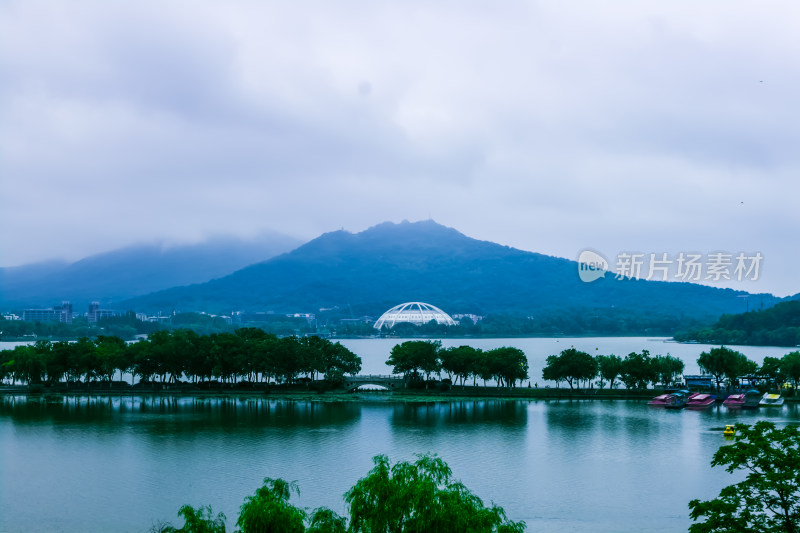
<point x="336" y="395"/>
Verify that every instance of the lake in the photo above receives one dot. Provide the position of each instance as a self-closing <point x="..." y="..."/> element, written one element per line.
<point x="95" y="463"/>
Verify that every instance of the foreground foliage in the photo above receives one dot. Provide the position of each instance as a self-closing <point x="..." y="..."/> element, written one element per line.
<point x="418" y="497"/>
<point x="768" y="500"/>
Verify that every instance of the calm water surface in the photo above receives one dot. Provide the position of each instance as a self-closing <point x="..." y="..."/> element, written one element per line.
<point x="124" y="463"/>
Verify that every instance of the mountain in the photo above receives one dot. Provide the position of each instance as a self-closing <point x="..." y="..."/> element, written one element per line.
<point x="368" y="272"/>
<point x="774" y="326"/>
<point x="133" y="271"/>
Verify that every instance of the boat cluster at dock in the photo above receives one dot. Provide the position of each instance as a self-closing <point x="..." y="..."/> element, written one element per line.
<point x="751" y="399"/>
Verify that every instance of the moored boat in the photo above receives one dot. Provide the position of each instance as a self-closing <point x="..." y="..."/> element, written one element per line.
<point x="659" y="401"/>
<point x="700" y="401"/>
<point x="676" y="400"/>
<point x="771" y="400"/>
<point x="751" y="399"/>
<point x="734" y="401"/>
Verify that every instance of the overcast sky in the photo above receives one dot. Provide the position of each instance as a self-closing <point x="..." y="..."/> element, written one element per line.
<point x="651" y="126"/>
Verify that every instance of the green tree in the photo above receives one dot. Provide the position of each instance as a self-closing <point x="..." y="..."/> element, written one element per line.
<point x="723" y="362"/>
<point x="27" y="364"/>
<point x="57" y="360"/>
<point x="323" y="520"/>
<point x="460" y="361"/>
<point x="288" y="359"/>
<point x="141" y="356"/>
<point x="790" y="365"/>
<point x="609" y="368"/>
<point x="638" y="370"/>
<point x="269" y="510"/>
<point x="200" y="520"/>
<point x="570" y="365"/>
<point x="6" y="365"/>
<point x="338" y="360"/>
<point x="411" y="357"/>
<point x="667" y="368"/>
<point x="110" y="352"/>
<point x="768" y="500"/>
<point x="418" y="497"/>
<point x="771" y="369"/>
<point x="552" y="370"/>
<point x="508" y="365"/>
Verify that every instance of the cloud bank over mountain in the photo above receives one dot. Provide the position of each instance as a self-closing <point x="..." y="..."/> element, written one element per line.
<point x="552" y="127"/>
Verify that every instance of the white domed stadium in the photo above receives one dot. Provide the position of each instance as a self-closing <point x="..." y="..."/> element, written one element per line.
<point x="417" y="313"/>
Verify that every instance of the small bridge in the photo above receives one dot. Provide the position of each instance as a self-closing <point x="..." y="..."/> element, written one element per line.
<point x="388" y="382"/>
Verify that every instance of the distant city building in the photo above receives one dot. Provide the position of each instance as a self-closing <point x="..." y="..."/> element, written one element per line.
<point x="417" y="313"/>
<point x="475" y="318"/>
<point x="94" y="307"/>
<point x="307" y="316"/>
<point x="360" y="320"/>
<point x="66" y="312"/>
<point x="260" y="317"/>
<point x="246" y="317"/>
<point x="11" y="316"/>
<point x="60" y="313"/>
<point x="41" y="315"/>
<point x="95" y="313"/>
<point x="227" y="319"/>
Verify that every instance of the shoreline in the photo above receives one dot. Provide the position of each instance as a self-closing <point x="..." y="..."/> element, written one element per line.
<point x="345" y="396"/>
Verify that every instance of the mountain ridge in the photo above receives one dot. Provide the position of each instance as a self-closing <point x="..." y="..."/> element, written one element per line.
<point x="132" y="271"/>
<point x="370" y="271"/>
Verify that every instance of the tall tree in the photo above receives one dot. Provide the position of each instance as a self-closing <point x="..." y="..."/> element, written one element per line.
<point x="411" y="357"/>
<point x="771" y="369"/>
<point x="790" y="365"/>
<point x="768" y="499"/>
<point x="509" y="365"/>
<point x="723" y="362"/>
<point x="667" y="368"/>
<point x="638" y="370"/>
<point x="269" y="510"/>
<point x="571" y="365"/>
<point x="420" y="496"/>
<point x="460" y="361"/>
<point x="609" y="368"/>
<point x="200" y="520"/>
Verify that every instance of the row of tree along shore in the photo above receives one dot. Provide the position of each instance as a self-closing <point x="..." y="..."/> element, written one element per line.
<point x="252" y="358"/>
<point x="638" y="370"/>
<point x="248" y="357"/>
<point x="167" y="357"/>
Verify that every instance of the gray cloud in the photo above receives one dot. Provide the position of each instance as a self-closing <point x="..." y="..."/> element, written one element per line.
<point x="551" y="127"/>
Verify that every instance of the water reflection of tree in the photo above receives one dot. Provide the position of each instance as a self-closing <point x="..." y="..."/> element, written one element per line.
<point x="432" y="414"/>
<point x="170" y="414"/>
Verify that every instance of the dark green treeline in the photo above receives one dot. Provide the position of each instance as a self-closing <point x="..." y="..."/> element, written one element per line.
<point x="249" y="354"/>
